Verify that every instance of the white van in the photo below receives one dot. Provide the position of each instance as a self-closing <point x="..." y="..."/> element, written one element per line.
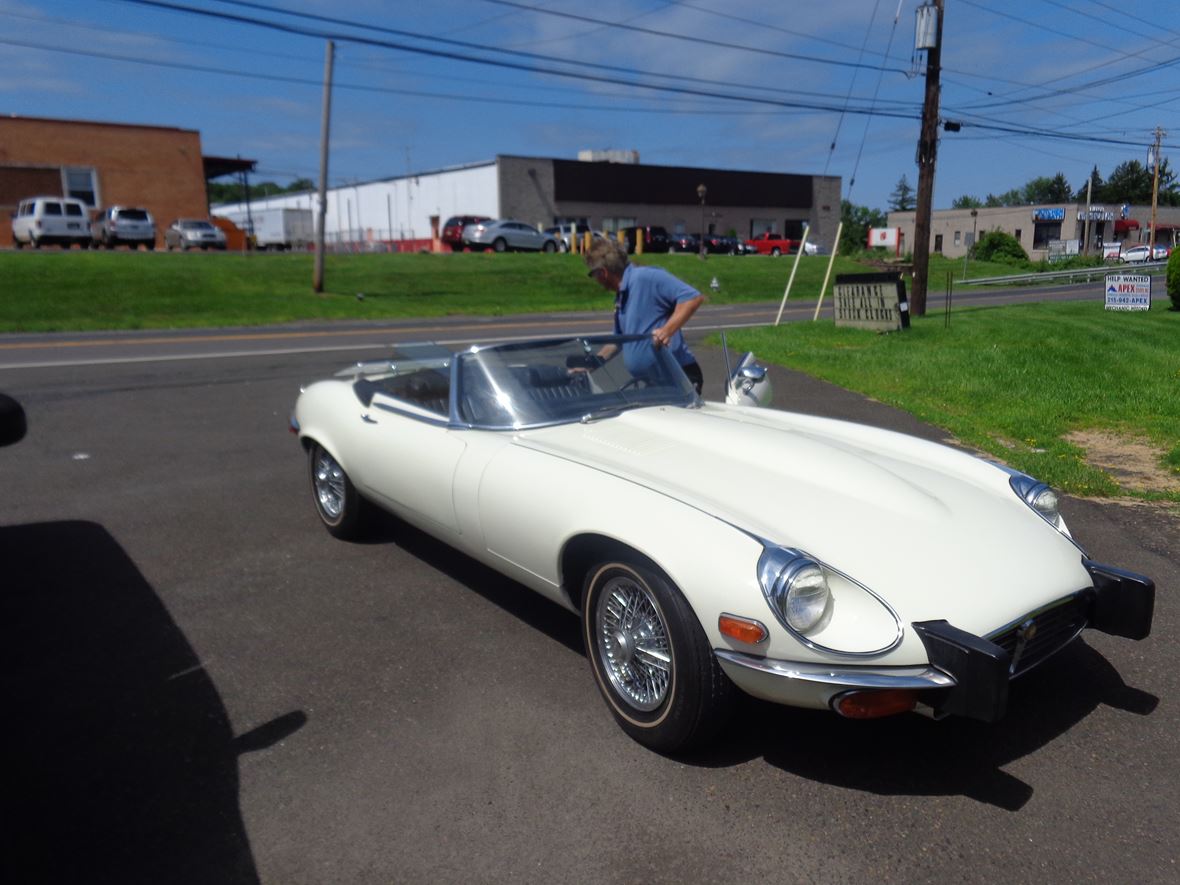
<point x="61" y="220"/>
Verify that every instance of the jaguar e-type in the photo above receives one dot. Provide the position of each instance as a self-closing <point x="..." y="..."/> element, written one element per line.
<point x="710" y="547"/>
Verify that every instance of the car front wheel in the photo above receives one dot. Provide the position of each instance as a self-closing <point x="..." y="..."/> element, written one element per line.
<point x="339" y="505"/>
<point x="650" y="658"/>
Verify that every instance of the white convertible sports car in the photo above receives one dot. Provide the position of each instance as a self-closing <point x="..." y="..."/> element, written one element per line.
<point x="708" y="546"/>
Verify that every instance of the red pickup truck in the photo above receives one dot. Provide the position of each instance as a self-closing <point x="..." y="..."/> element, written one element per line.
<point x="768" y="243"/>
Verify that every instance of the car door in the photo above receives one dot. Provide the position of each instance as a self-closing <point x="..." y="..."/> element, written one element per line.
<point x="406" y="457"/>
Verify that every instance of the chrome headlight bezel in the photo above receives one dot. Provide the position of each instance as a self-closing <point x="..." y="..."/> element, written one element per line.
<point x="796" y="589"/>
<point x="1041" y="498"/>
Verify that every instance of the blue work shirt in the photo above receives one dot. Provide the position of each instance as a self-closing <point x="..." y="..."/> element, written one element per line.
<point x="646" y="299"/>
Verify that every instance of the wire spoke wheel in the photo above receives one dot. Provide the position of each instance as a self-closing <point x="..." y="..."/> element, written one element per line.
<point x="649" y="655"/>
<point x="328" y="480"/>
<point x="633" y="643"/>
<point x="341" y="509"/>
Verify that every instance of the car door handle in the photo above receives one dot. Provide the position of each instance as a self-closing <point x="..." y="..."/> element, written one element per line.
<point x="365" y="417"/>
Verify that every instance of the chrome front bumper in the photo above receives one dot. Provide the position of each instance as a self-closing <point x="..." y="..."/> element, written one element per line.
<point x="967" y="675"/>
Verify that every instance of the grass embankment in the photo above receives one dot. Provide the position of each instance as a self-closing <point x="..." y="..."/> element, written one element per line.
<point x="78" y="291"/>
<point x="1014" y="381"/>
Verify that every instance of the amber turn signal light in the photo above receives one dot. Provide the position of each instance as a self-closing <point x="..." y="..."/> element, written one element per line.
<point x="742" y="629"/>
<point x="875" y="704"/>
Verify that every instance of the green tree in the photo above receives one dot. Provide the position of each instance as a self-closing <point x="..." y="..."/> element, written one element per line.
<point x="857" y="220"/>
<point x="903" y="197"/>
<point x="1047" y="190"/>
<point x="967" y="202"/>
<point x="1014" y="197"/>
<point x="1130" y="182"/>
<point x="1097" y="184"/>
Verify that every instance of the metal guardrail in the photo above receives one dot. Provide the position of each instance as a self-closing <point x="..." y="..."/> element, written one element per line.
<point x="1083" y="274"/>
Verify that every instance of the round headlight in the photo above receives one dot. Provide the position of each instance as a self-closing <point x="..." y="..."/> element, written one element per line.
<point x="795" y="587"/>
<point x="1046" y="503"/>
<point x="807" y="597"/>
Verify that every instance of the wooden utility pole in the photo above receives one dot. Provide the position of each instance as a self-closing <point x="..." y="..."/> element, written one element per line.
<point x="317" y="282"/>
<point x="927" y="152"/>
<point x="1155" y="189"/>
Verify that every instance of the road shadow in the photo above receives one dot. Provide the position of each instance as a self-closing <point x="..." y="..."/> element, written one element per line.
<point x="915" y="756"/>
<point x="527" y="606"/>
<point x="122" y="757"/>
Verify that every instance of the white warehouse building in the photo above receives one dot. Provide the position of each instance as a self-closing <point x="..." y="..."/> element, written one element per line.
<point x="406" y="213"/>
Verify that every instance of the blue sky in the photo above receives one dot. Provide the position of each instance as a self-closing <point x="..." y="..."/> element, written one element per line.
<point x="1040" y="86"/>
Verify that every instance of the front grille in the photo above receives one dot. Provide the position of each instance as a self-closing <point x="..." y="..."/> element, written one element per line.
<point x="1055" y="626"/>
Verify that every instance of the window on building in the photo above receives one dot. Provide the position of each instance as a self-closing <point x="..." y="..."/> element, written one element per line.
<point x="81" y="184"/>
<point x="1016" y="234"/>
<point x="958" y="238"/>
<point x="938" y="243"/>
<point x="762" y="225"/>
<point x="1043" y="232"/>
<point x="969" y="240"/>
<point x="614" y="225"/>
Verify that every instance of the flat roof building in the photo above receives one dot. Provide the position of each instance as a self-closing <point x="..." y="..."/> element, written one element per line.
<point x="545" y="191"/>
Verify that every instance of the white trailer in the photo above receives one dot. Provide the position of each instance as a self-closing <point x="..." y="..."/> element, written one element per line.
<point x="274" y="227"/>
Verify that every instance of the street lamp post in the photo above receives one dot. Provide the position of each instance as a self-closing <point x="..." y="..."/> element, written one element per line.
<point x="701" y="192"/>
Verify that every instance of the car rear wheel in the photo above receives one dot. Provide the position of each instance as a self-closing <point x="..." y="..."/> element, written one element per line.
<point x="776" y="251"/>
<point x="550" y="246"/>
<point x="339" y="505"/>
<point x="650" y="658"/>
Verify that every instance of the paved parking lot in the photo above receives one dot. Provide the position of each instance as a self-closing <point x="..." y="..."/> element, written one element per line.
<point x="206" y="687"/>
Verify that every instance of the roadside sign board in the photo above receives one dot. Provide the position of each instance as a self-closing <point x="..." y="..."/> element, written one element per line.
<point x="1128" y="291"/>
<point x="871" y="301"/>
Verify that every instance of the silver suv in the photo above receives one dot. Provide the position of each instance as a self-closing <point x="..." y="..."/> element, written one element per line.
<point x="124" y="224"/>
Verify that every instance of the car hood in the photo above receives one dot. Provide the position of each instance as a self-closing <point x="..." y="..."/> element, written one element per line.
<point x="935" y="532"/>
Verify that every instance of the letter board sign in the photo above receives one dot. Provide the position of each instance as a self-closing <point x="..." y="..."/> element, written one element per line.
<point x="871" y="301"/>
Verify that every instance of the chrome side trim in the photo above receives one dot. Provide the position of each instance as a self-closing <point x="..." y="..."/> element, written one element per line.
<point x="918" y="677"/>
<point x="422" y="416"/>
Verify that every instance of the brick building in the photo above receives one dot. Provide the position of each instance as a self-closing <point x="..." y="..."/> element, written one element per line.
<point x="158" y="168"/>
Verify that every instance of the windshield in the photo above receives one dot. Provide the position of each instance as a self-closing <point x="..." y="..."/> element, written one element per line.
<point x="534" y="383"/>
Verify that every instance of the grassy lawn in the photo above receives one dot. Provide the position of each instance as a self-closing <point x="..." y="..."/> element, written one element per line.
<point x="77" y="291"/>
<point x="1013" y="381"/>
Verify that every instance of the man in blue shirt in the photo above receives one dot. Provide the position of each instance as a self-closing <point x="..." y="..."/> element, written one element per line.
<point x="648" y="301"/>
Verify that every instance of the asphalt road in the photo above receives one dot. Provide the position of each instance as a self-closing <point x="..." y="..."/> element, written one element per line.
<point x="203" y="686"/>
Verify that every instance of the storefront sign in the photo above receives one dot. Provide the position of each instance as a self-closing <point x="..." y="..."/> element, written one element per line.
<point x="1127" y="291"/>
<point x="1048" y="215"/>
<point x="871" y="301"/>
<point x="1097" y="213"/>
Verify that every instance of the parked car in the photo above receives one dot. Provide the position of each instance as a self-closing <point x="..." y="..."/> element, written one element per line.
<point x="655" y="238"/>
<point x="50" y="220"/>
<point x="711" y="548"/>
<point x="715" y="244"/>
<point x="1160" y="252"/>
<point x="562" y="234"/>
<point x="770" y="243"/>
<point x="683" y="242"/>
<point x="194" y="233"/>
<point x="1136" y="253"/>
<point x="452" y="230"/>
<point x="123" y="225"/>
<point x="506" y="235"/>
